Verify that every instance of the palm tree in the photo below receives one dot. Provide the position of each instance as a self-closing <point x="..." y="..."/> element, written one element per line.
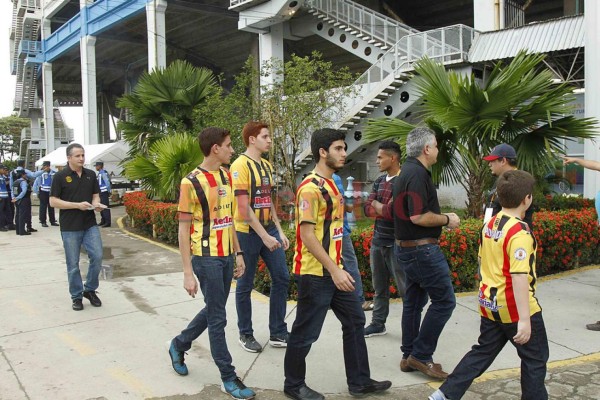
<point x="168" y="160"/>
<point x="519" y="104"/>
<point x="163" y="102"/>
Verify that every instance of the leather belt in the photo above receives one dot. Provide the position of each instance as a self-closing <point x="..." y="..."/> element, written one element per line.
<point x="415" y="243"/>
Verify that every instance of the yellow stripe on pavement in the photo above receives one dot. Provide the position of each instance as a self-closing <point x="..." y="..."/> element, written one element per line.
<point x="130" y="381"/>
<point x="76" y="344"/>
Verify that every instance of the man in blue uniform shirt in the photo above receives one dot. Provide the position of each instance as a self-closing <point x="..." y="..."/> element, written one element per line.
<point x="104" y="183"/>
<point x="41" y="186"/>
<point x="22" y="199"/>
<point x="22" y="172"/>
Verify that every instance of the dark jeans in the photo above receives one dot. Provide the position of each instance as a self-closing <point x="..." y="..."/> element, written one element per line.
<point x="215" y="275"/>
<point x="23" y="217"/>
<point x="427" y="277"/>
<point x="492" y="338"/>
<point x="351" y="265"/>
<point x="45" y="208"/>
<point x="5" y="212"/>
<point x="384" y="266"/>
<point x="253" y="247"/>
<point x="105" y="214"/>
<point x="315" y="295"/>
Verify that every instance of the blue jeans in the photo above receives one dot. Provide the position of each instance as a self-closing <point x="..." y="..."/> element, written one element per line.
<point x="315" y="295"/>
<point x="427" y="276"/>
<point x="91" y="241"/>
<point x="253" y="247"/>
<point x="351" y="265"/>
<point x="215" y="275"/>
<point x="384" y="266"/>
<point x="492" y="338"/>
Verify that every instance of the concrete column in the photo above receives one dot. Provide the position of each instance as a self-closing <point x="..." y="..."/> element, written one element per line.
<point x="591" y="179"/>
<point x="270" y="46"/>
<point x="34" y="124"/>
<point x="87" y="46"/>
<point x="488" y="15"/>
<point x="157" y="47"/>
<point x="48" y="93"/>
<point x="48" y="99"/>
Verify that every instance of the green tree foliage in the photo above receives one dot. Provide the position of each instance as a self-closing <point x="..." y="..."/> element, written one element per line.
<point x="162" y="103"/>
<point x="168" y="160"/>
<point x="305" y="94"/>
<point x="518" y="104"/>
<point x="10" y="136"/>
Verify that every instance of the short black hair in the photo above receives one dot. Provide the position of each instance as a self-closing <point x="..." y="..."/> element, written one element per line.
<point x="322" y="139"/>
<point x="20" y="163"/>
<point x="390" y="145"/>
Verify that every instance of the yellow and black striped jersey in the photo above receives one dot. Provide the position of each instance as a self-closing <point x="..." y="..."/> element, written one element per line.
<point x="254" y="179"/>
<point x="206" y="197"/>
<point x="507" y="248"/>
<point x="319" y="202"/>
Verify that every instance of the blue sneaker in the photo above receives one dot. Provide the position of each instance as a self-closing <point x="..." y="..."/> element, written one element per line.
<point x="177" y="359"/>
<point x="237" y="389"/>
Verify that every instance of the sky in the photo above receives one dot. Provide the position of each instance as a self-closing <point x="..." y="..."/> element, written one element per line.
<point x="73" y="116"/>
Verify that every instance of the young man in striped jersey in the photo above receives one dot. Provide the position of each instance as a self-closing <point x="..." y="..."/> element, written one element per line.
<point x="322" y="280"/>
<point x="507" y="303"/>
<point x="260" y="234"/>
<point x="207" y="243"/>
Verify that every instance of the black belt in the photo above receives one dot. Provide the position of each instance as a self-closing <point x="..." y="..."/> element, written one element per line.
<point x="415" y="243"/>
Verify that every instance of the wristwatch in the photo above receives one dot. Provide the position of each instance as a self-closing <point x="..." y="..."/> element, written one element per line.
<point x="239" y="253"/>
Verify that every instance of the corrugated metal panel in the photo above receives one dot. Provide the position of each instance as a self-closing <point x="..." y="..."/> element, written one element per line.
<point x="542" y="37"/>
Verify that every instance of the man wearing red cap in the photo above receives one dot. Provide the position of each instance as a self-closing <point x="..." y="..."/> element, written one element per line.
<point x="502" y="158"/>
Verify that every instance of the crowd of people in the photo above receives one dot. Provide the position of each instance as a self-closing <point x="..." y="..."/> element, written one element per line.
<point x="227" y="220"/>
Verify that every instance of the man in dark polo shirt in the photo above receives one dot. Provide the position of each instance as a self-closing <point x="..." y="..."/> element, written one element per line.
<point x="76" y="193"/>
<point x="417" y="226"/>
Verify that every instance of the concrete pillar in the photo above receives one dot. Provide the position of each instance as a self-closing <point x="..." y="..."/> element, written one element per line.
<point x="34" y="124"/>
<point x="488" y="15"/>
<point x="157" y="47"/>
<point x="88" y="89"/>
<point x="48" y="99"/>
<point x="104" y="118"/>
<point x="591" y="179"/>
<point x="270" y="45"/>
<point x="48" y="93"/>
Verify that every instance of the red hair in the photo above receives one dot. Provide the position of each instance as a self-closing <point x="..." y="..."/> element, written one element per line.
<point x="252" y="128"/>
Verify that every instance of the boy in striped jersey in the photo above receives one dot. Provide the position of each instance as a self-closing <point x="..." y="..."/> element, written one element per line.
<point x="322" y="280"/>
<point x="507" y="303"/>
<point x="207" y="243"/>
<point x="259" y="233"/>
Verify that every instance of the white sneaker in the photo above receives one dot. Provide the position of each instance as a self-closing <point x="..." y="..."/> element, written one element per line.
<point x="438" y="395"/>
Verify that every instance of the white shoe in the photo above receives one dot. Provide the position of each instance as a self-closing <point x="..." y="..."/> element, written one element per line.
<point x="438" y="395"/>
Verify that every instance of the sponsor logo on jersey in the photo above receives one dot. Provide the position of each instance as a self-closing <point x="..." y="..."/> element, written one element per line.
<point x="221" y="223"/>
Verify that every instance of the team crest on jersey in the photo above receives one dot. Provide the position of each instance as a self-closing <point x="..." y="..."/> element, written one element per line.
<point x="265" y="181"/>
<point x="222" y="192"/>
<point x="235" y="174"/>
<point x="304" y="205"/>
<point x="69" y="179"/>
<point x="520" y="254"/>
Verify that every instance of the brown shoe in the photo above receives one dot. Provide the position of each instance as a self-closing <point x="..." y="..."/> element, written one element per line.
<point x="428" y="368"/>
<point x="594" y="327"/>
<point x="404" y="367"/>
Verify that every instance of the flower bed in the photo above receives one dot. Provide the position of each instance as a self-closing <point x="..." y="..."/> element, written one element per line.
<point x="566" y="239"/>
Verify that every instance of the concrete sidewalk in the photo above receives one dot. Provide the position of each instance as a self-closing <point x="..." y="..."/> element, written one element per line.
<point x="118" y="351"/>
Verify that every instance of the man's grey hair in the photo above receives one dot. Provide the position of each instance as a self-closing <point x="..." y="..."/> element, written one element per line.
<point x="417" y="139"/>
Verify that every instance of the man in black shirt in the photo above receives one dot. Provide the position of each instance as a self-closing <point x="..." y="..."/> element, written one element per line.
<point x="418" y="224"/>
<point x="76" y="193"/>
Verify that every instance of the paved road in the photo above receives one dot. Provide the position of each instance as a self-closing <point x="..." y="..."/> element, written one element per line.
<point x="117" y="351"/>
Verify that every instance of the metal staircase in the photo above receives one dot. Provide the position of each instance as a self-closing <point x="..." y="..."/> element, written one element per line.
<point x="25" y="64"/>
<point x="33" y="142"/>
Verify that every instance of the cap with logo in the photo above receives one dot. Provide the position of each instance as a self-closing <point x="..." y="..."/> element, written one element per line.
<point x="501" y="151"/>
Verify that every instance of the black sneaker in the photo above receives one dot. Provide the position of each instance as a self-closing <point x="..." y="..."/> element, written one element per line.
<point x="77" y="305"/>
<point x="44" y="225"/>
<point x="250" y="344"/>
<point x="53" y="223"/>
<point x="91" y="296"/>
<point x="375" y="330"/>
<point x="32" y="230"/>
<point x="279" y="340"/>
